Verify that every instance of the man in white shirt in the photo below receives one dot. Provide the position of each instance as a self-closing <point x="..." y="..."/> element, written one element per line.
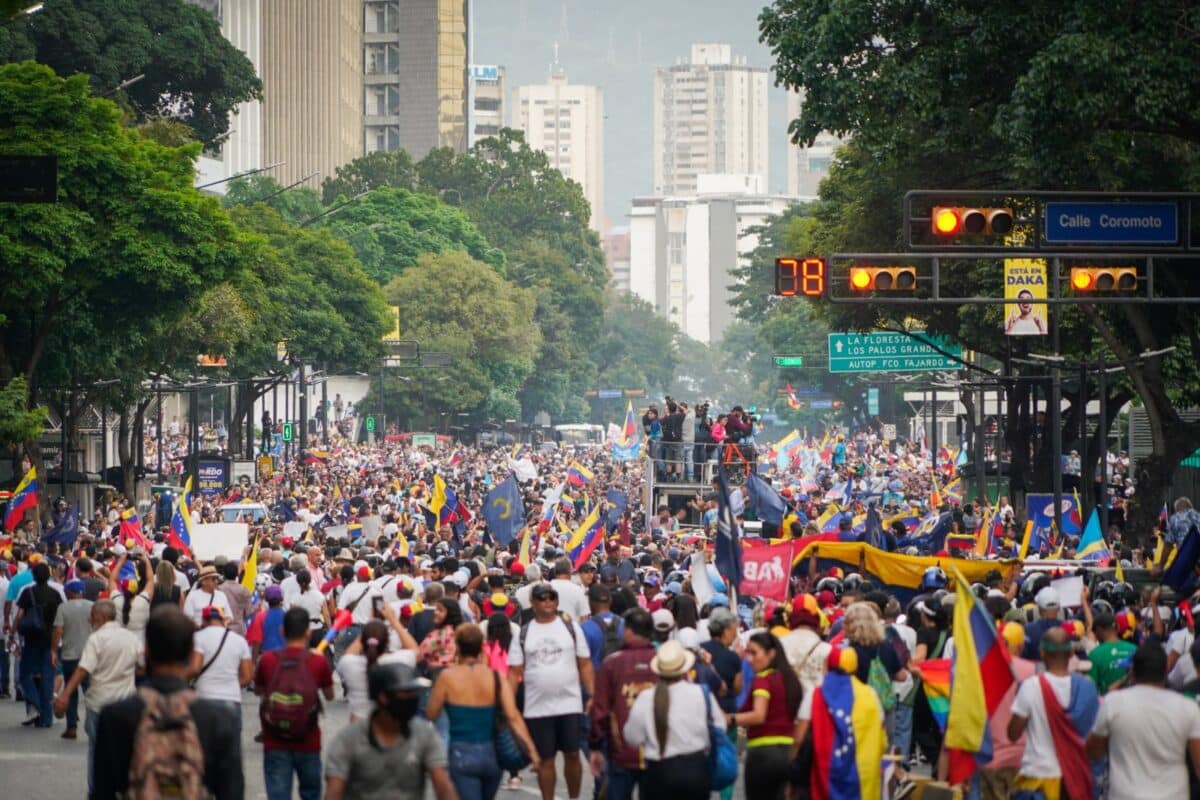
<point x="288" y="585"/>
<point x="221" y="662"/>
<point x="572" y="599"/>
<point x="109" y="664"/>
<point x="551" y="655"/>
<point x="533" y="576"/>
<point x="1148" y="731"/>
<point x="360" y="594"/>
<point x="204" y="595"/>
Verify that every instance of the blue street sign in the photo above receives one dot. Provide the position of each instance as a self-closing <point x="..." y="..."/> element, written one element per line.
<point x="1112" y="223"/>
<point x="821" y="405"/>
<point x="608" y="394"/>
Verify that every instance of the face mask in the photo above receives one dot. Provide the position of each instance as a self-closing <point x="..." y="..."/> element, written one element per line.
<point x="402" y="709"/>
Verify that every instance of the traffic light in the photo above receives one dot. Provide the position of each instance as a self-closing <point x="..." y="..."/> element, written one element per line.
<point x="959" y="220"/>
<point x="794" y="276"/>
<point x="1103" y="279"/>
<point x="883" y="279"/>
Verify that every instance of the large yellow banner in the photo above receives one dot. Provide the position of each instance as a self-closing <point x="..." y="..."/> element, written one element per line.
<point x="1024" y="283"/>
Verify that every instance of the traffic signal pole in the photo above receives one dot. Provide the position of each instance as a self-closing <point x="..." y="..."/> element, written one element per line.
<point x="1056" y="400"/>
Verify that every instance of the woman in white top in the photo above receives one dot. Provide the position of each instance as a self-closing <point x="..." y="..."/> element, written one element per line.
<point x="132" y="596"/>
<point x="663" y="723"/>
<point x="369" y="649"/>
<point x="313" y="602"/>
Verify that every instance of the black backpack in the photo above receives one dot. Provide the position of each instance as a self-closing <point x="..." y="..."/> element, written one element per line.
<point x="611" y="629"/>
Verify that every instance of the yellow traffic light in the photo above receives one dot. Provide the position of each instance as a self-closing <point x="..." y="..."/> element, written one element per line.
<point x="883" y="279"/>
<point x="955" y="220"/>
<point x="1104" y="279"/>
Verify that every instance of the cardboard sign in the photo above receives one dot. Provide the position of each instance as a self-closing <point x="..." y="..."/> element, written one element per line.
<point x="210" y="540"/>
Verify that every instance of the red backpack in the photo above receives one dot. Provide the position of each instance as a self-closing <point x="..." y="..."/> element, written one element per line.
<point x="290" y="706"/>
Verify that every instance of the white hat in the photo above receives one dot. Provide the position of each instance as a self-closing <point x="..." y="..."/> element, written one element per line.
<point x="688" y="638"/>
<point x="663" y="620"/>
<point x="672" y="660"/>
<point x="360" y="564"/>
<point x="1047" y="598"/>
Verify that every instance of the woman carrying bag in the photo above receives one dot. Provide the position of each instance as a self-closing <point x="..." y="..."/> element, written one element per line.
<point x="663" y="723"/>
<point x="475" y="698"/>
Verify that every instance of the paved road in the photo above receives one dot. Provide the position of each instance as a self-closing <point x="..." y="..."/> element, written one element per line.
<point x="46" y="767"/>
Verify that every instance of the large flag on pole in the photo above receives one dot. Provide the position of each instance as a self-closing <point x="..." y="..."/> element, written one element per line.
<point x="728" y="549"/>
<point x="504" y="511"/>
<point x="24" y="497"/>
<point x="180" y="533"/>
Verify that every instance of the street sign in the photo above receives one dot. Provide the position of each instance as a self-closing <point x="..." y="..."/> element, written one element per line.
<point x="1112" y="223"/>
<point x="789" y="361"/>
<point x="873" y="401"/>
<point x="890" y="352"/>
<point x="370" y="423"/>
<point x="821" y="405"/>
<point x="287" y="431"/>
<point x="608" y="394"/>
<point x="889" y="431"/>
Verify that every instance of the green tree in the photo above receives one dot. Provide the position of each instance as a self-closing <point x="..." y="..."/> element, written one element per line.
<point x="19" y="420"/>
<point x="295" y="204"/>
<point x="972" y="96"/>
<point x="392" y="168"/>
<point x="389" y="228"/>
<point x="457" y="305"/>
<point x="192" y="72"/>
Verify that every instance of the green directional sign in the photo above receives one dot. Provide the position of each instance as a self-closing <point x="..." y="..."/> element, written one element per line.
<point x="891" y="352"/>
<point x="288" y="431"/>
<point x="370" y="423"/>
<point x="789" y="361"/>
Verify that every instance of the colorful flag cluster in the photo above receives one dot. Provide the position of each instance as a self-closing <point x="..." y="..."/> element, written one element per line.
<point x="586" y="538"/>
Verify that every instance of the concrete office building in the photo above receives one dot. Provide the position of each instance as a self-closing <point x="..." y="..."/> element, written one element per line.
<point x="808" y="166"/>
<point x="415" y="57"/>
<point x="312" y="84"/>
<point x="241" y="24"/>
<point x="566" y="122"/>
<point x="487" y="102"/>
<point x="616" y="257"/>
<point x="710" y="117"/>
<point x="682" y="249"/>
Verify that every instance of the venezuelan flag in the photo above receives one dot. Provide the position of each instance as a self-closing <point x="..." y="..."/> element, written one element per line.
<point x="443" y="502"/>
<point x="1092" y="545"/>
<point x="935" y="678"/>
<point x="793" y="402"/>
<point x="180" y="533"/>
<point x="131" y="526"/>
<point x="578" y="474"/>
<point x="954" y="491"/>
<point x="629" y="429"/>
<point x="981" y="677"/>
<point x="848" y="739"/>
<point x="24" y="497"/>
<point x="587" y="537"/>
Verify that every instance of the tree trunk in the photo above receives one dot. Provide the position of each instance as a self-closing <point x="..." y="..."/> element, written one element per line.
<point x="124" y="451"/>
<point x="1018" y="433"/>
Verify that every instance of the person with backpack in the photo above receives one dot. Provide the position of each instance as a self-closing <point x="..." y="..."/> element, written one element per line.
<point x="165" y="740"/>
<point x="602" y="629"/>
<point x="551" y="656"/>
<point x="618" y="682"/>
<point x="663" y="723"/>
<point x="37" y="607"/>
<point x="289" y="681"/>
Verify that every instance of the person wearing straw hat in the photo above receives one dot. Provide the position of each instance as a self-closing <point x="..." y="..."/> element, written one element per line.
<point x="663" y="723"/>
<point x="206" y="594"/>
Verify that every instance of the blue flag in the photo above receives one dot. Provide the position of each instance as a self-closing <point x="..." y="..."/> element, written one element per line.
<point x="504" y="512"/>
<point x="1181" y="576"/>
<point x="728" y="550"/>
<point x="873" y="533"/>
<point x="767" y="502"/>
<point x="617" y="503"/>
<point x="64" y="529"/>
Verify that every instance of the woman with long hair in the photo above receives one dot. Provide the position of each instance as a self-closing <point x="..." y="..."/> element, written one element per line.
<point x="165" y="591"/>
<point x="663" y="723"/>
<point x="369" y="649"/>
<point x="133" y="596"/>
<point x="438" y="650"/>
<point x="768" y="714"/>
<point x="472" y="695"/>
<point x="496" y="644"/>
<point x="312" y="601"/>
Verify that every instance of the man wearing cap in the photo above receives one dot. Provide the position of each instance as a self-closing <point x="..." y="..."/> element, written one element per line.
<point x="551" y="656"/>
<point x="72" y="624"/>
<point x="206" y="594"/>
<point x="389" y="754"/>
<point x="109" y="664"/>
<point x="1109" y="655"/>
<point x="1048" y="606"/>
<point x="620" y="679"/>
<point x="265" y="634"/>
<point x="221" y="662"/>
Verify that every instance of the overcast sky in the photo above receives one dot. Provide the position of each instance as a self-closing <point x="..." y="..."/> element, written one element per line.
<point x="616" y="44"/>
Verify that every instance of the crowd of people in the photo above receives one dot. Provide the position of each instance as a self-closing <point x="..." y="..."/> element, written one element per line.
<point x="474" y="665"/>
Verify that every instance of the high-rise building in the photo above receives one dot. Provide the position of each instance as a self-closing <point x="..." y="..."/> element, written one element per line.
<point x="415" y="58"/>
<point x="616" y="256"/>
<point x="241" y="24"/>
<point x="808" y="166"/>
<point x="566" y="122"/>
<point x="312" y="84"/>
<point x="710" y="117"/>
<point x="487" y="102"/>
<point x="682" y="250"/>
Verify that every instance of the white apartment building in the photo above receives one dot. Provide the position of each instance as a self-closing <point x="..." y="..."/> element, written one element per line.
<point x="808" y="166"/>
<point x="682" y="249"/>
<point x="486" y="102"/>
<point x="241" y="24"/>
<point x="566" y="122"/>
<point x="710" y="117"/>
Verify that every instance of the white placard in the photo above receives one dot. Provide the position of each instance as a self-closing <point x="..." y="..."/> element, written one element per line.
<point x="295" y="529"/>
<point x="210" y="540"/>
<point x="1070" y="590"/>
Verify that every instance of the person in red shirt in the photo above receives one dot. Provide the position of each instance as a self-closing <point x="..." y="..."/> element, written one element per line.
<point x="283" y="758"/>
<point x="768" y="715"/>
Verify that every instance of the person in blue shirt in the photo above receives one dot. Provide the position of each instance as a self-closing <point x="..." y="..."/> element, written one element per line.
<point x="839" y="452"/>
<point x="601" y="622"/>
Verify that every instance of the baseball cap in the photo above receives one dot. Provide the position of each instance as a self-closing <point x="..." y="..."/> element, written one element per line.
<point x="674" y="587"/>
<point x="1047" y="598"/>
<point x="75" y="587"/>
<point x="273" y="593"/>
<point x="663" y="620"/>
<point x="363" y="572"/>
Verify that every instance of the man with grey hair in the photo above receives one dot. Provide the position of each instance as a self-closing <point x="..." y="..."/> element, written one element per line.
<point x="109" y="664"/>
<point x="1183" y="520"/>
<point x="572" y="598"/>
<point x="289" y="585"/>
<point x="533" y="576"/>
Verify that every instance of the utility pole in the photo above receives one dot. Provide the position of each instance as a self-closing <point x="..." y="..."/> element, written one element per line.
<point x="303" y="411"/>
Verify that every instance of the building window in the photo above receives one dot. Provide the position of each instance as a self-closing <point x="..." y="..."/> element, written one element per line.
<point x="487" y="104"/>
